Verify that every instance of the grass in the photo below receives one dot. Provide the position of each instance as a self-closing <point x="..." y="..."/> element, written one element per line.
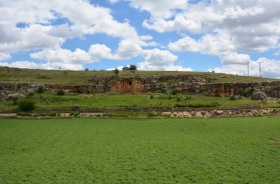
<point x="80" y="77"/>
<point x="235" y="150"/>
<point x="48" y="99"/>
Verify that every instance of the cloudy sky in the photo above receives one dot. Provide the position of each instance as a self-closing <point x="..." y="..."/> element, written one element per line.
<point x="187" y="35"/>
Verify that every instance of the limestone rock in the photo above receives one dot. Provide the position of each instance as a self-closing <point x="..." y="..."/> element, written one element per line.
<point x="259" y="95"/>
<point x="3" y="95"/>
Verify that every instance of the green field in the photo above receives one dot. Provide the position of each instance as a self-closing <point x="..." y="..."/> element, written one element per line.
<point x="235" y="150"/>
<point x="51" y="100"/>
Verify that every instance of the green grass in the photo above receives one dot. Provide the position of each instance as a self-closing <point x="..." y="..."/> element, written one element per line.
<point x="235" y="150"/>
<point x="46" y="100"/>
<point x="80" y="77"/>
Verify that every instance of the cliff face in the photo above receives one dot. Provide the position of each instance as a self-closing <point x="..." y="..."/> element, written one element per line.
<point x="186" y="84"/>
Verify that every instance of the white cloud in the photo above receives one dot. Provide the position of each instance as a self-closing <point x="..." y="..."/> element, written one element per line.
<point x="4" y="56"/>
<point x="160" y="8"/>
<point x="44" y="66"/>
<point x="234" y="58"/>
<point x="63" y="56"/>
<point x="270" y="68"/>
<point x="223" y="28"/>
<point x="98" y="51"/>
<point x="163" y="60"/>
<point x="127" y="50"/>
<point x="113" y="1"/>
<point x="38" y="32"/>
<point x="218" y="45"/>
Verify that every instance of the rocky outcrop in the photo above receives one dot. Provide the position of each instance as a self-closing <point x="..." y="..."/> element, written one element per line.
<point x="185" y="84"/>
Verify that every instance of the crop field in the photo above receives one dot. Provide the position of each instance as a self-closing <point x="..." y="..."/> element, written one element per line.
<point x="235" y="150"/>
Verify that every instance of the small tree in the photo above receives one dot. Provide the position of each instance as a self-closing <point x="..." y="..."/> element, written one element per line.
<point x="132" y="67"/>
<point x="60" y="92"/>
<point x="116" y="71"/>
<point x="40" y="89"/>
<point x="125" y="68"/>
<point x="26" y="104"/>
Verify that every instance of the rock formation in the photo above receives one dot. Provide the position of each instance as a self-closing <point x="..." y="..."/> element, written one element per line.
<point x="186" y="84"/>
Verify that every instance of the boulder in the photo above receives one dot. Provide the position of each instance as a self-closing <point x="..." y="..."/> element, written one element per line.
<point x="259" y="95"/>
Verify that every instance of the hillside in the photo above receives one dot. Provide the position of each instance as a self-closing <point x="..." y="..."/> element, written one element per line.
<point x="80" y="77"/>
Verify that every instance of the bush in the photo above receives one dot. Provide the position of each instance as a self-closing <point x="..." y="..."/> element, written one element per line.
<point x="31" y="94"/>
<point x="248" y="92"/>
<point x="40" y="89"/>
<point x="60" y="92"/>
<point x="116" y="71"/>
<point x="233" y="98"/>
<point x="15" y="100"/>
<point x="26" y="104"/>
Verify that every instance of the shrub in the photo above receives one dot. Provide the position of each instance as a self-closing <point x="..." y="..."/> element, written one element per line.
<point x="40" y="89"/>
<point x="60" y="92"/>
<point x="52" y="114"/>
<point x="26" y="104"/>
<point x="15" y="100"/>
<point x="76" y="106"/>
<point x="217" y="95"/>
<point x="30" y="94"/>
<point x="233" y="98"/>
<point x="248" y="92"/>
<point x="116" y="71"/>
<point x="23" y="114"/>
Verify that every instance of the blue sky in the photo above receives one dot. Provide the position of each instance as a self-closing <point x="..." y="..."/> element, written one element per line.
<point x="185" y="35"/>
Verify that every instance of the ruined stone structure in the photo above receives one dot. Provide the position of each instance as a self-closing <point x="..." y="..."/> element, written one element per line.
<point x="186" y="84"/>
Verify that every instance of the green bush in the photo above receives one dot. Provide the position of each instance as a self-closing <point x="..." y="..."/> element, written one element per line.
<point x="233" y="98"/>
<point x="40" y="89"/>
<point x="248" y="92"/>
<point x="15" y="100"/>
<point x="26" y="104"/>
<point x="31" y="94"/>
<point x="60" y="92"/>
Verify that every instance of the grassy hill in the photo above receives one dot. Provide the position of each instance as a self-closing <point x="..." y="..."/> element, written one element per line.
<point x="80" y="77"/>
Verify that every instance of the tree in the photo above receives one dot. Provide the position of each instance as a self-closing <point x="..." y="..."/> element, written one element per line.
<point x="26" y="104"/>
<point x="132" y="67"/>
<point x="125" y="68"/>
<point x="116" y="71"/>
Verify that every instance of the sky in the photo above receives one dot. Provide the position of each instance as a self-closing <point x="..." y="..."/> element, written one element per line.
<point x="227" y="36"/>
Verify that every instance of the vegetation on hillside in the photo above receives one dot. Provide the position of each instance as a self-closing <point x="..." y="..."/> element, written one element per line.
<point x="80" y="77"/>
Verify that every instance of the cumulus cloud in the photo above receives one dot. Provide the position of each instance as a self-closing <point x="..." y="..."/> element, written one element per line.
<point x="213" y="44"/>
<point x="127" y="50"/>
<point x="28" y="25"/>
<point x="223" y="28"/>
<point x="4" y="56"/>
<point x="270" y="68"/>
<point x="159" y="8"/>
<point x="156" y="59"/>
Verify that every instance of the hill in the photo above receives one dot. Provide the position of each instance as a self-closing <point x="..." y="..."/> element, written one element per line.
<point x="80" y="77"/>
